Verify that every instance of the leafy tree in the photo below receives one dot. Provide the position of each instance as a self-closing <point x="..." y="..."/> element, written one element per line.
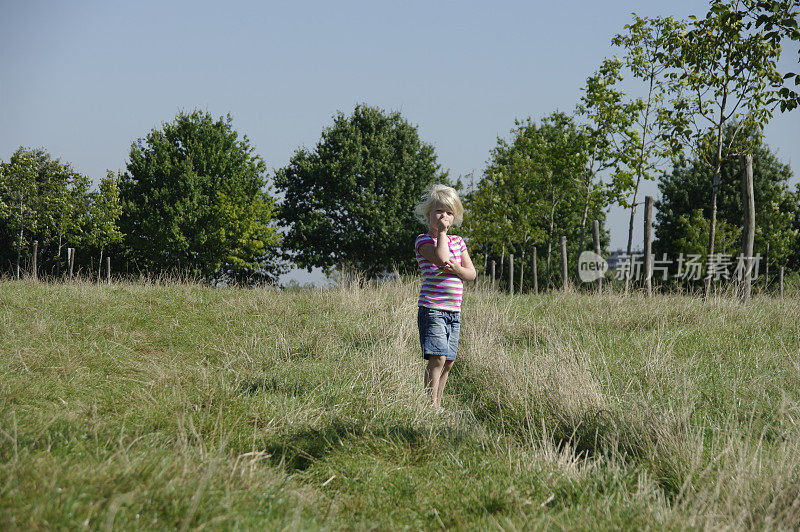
<point x="778" y="21"/>
<point x="194" y="198"/>
<point x="41" y="199"/>
<point x="693" y="230"/>
<point x="350" y="201"/>
<point x="20" y="198"/>
<point x="533" y="191"/>
<point x="727" y="71"/>
<point x="104" y="212"/>
<point x="644" y="143"/>
<point x="685" y="200"/>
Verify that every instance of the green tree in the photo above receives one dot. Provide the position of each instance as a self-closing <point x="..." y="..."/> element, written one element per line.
<point x="195" y="198"/>
<point x="607" y="117"/>
<point x="778" y="21"/>
<point x="726" y="73"/>
<point x="104" y="211"/>
<point x="350" y="201"/>
<point x="20" y="192"/>
<point x="41" y="199"/>
<point x="644" y="142"/>
<point x="533" y="191"/>
<point x="685" y="199"/>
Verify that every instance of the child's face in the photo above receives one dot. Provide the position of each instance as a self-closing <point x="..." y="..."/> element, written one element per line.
<point x="440" y="217"/>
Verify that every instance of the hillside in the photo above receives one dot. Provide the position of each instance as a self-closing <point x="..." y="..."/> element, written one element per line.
<point x="187" y="407"/>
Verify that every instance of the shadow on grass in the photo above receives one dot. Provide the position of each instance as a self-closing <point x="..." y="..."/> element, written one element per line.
<point x="299" y="450"/>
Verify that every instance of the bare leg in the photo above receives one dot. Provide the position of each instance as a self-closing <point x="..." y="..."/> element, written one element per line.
<point x="433" y="375"/>
<point x="442" y="381"/>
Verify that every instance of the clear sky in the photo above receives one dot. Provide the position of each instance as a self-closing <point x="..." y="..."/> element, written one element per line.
<point x="85" y="79"/>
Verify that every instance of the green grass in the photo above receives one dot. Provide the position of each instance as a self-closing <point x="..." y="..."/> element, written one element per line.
<point x="180" y="406"/>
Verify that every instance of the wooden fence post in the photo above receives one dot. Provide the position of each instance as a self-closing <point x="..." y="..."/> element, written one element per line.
<point x="648" y="245"/>
<point x="108" y="270"/>
<point x="781" y="280"/>
<point x="535" y="273"/>
<point x="494" y="264"/>
<point x="596" y="237"/>
<point x="511" y="273"/>
<point x="71" y="260"/>
<point x="564" y="275"/>
<point x="749" y="228"/>
<point x="35" y="265"/>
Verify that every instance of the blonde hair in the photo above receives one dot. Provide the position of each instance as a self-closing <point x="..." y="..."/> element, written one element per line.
<point x="443" y="194"/>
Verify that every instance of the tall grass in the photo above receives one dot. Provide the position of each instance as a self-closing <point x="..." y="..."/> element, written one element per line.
<point x="179" y="406"/>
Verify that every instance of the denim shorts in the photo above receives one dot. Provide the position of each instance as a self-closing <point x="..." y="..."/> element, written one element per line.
<point x="438" y="332"/>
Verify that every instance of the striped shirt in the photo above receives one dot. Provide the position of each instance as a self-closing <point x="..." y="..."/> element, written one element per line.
<point x="440" y="290"/>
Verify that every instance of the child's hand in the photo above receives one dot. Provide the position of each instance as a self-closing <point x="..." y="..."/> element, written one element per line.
<point x="451" y="267"/>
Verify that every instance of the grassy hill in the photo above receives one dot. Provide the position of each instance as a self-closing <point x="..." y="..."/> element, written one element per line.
<point x="186" y="407"/>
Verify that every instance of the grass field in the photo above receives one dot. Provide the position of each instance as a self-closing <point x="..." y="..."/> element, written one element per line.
<point x="181" y="406"/>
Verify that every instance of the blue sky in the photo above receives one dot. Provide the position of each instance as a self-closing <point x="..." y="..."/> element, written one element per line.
<point x="85" y="79"/>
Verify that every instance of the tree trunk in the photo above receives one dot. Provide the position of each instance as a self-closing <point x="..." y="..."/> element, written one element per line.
<point x="712" y="226"/>
<point x="511" y="274"/>
<point x="629" y="249"/>
<point x="21" y="234"/>
<point x="585" y="214"/>
<point x="639" y="175"/>
<point x="550" y="224"/>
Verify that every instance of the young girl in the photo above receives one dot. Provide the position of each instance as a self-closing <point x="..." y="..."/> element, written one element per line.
<point x="445" y="263"/>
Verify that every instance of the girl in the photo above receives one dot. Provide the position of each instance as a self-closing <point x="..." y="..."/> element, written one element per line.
<point x="444" y="263"/>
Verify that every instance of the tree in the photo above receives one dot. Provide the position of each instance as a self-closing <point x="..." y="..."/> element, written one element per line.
<point x="194" y="198"/>
<point x="607" y="117"/>
<point x="533" y="190"/>
<point x="643" y="142"/>
<point x="350" y="201"/>
<point x="728" y="69"/>
<point x="41" y="199"/>
<point x="20" y="191"/>
<point x="685" y="198"/>
<point x="104" y="211"/>
<point x="778" y="21"/>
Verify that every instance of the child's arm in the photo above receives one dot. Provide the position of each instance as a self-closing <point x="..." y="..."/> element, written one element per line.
<point x="465" y="270"/>
<point x="439" y="254"/>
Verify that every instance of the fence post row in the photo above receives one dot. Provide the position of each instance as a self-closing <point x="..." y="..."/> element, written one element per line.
<point x="648" y="244"/>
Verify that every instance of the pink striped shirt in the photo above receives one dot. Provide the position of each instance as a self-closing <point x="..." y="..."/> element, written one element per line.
<point x="440" y="290"/>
